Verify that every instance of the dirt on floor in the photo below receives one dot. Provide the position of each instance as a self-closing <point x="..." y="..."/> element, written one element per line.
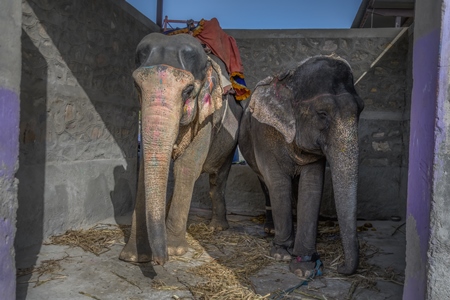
<point x="232" y="264"/>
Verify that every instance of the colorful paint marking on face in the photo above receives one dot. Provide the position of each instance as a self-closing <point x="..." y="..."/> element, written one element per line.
<point x="162" y="75"/>
<point x="154" y="161"/>
<point x="207" y="98"/>
<point x="209" y="80"/>
<point x="187" y="106"/>
<point x="156" y="135"/>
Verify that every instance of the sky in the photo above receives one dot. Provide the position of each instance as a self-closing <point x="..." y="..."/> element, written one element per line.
<point x="257" y="14"/>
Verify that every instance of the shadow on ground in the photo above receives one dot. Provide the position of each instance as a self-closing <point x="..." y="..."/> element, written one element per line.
<point x="232" y="264"/>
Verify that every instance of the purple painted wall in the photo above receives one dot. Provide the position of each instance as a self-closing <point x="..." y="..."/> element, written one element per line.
<point x="9" y="151"/>
<point x="9" y="144"/>
<point x="422" y="152"/>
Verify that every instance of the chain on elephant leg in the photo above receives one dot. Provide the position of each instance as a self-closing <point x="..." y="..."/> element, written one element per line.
<point x="307" y="266"/>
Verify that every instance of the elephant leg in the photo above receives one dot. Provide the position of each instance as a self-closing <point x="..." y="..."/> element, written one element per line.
<point x="187" y="169"/>
<point x="218" y="184"/>
<point x="137" y="248"/>
<point x="308" y="206"/>
<point x="280" y="193"/>
<point x="268" y="224"/>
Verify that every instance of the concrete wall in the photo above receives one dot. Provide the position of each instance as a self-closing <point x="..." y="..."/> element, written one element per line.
<point x="439" y="243"/>
<point x="427" y="235"/>
<point x="10" y="20"/>
<point x="384" y="124"/>
<point x="78" y="117"/>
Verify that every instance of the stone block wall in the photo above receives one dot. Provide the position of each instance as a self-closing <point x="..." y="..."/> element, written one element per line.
<point x="384" y="123"/>
<point x="79" y="116"/>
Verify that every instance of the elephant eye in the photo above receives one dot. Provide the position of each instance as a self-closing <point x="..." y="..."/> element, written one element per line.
<point x="187" y="92"/>
<point x="322" y="114"/>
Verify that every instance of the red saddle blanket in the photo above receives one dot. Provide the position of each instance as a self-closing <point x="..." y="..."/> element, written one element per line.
<point x="223" y="46"/>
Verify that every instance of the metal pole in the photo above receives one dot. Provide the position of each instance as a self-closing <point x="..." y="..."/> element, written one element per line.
<point x="383" y="53"/>
<point x="159" y="12"/>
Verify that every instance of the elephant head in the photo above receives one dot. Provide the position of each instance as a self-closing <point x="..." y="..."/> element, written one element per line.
<point x="316" y="109"/>
<point x="178" y="87"/>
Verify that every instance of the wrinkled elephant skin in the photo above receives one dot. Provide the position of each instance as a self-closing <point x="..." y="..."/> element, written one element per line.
<point x="187" y="120"/>
<point x="295" y="122"/>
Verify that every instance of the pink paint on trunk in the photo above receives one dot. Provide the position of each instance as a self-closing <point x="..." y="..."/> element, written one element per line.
<point x="161" y="89"/>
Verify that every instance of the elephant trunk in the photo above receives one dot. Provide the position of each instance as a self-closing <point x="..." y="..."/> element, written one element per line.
<point x="161" y="89"/>
<point x="342" y="156"/>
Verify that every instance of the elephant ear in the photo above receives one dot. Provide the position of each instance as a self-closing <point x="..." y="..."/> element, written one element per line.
<point x="271" y="104"/>
<point x="210" y="97"/>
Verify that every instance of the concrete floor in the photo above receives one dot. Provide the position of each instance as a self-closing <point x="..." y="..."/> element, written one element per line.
<point x="83" y="275"/>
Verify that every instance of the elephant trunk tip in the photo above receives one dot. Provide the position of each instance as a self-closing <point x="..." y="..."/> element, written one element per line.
<point x="160" y="254"/>
<point x="159" y="260"/>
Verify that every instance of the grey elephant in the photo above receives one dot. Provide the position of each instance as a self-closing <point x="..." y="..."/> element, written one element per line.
<point x="185" y="119"/>
<point x="293" y="124"/>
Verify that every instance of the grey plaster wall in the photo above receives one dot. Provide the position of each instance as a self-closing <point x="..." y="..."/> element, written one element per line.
<point x="384" y="123"/>
<point x="10" y="19"/>
<point x="79" y="116"/>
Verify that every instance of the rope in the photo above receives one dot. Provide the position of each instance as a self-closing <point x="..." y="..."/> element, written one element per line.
<point x="383" y="53"/>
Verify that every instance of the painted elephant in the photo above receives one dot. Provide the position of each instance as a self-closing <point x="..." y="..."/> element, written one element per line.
<point x="293" y="124"/>
<point x="185" y="119"/>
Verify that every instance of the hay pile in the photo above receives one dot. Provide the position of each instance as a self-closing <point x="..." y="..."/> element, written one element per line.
<point x="96" y="240"/>
<point x="330" y="248"/>
<point x="46" y="271"/>
<point x="227" y="276"/>
<point x="233" y="257"/>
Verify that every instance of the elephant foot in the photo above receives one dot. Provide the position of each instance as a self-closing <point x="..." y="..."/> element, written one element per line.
<point x="177" y="245"/>
<point x="306" y="266"/>
<point x="218" y="225"/>
<point x="344" y="269"/>
<point x="136" y="253"/>
<point x="280" y="253"/>
<point x="269" y="228"/>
